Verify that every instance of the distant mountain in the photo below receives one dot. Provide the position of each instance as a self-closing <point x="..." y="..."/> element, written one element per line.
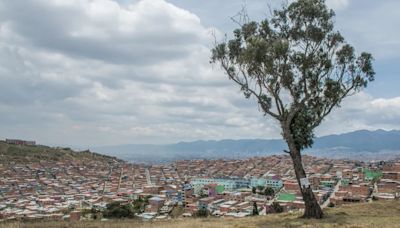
<point x="362" y="144"/>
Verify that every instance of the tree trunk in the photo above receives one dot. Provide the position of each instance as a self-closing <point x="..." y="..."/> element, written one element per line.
<point x="312" y="208"/>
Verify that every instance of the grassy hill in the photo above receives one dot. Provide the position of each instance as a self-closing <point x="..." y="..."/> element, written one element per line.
<point x="25" y="154"/>
<point x="376" y="214"/>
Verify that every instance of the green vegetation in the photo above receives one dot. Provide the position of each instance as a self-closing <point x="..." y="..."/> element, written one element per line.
<point x="268" y="191"/>
<point x="377" y="214"/>
<point x="27" y="154"/>
<point x="277" y="207"/>
<point x="140" y="204"/>
<point x="118" y="210"/>
<point x="123" y="210"/>
<point x="260" y="188"/>
<point x="202" y="212"/>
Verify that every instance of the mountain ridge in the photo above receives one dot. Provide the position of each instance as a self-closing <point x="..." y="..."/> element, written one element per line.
<point x="347" y="145"/>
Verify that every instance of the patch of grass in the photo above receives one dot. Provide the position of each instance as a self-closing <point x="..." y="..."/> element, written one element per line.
<point x="377" y="214"/>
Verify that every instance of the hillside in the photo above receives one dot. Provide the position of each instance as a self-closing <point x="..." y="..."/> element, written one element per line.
<point x="376" y="214"/>
<point x="364" y="145"/>
<point x="25" y="154"/>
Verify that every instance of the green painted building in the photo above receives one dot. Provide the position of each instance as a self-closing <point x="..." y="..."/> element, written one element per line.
<point x="220" y="189"/>
<point x="328" y="184"/>
<point x="286" y="197"/>
<point x="370" y="175"/>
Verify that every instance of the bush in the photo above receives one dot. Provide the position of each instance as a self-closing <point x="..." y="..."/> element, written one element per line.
<point x="202" y="212"/>
<point x="268" y="191"/>
<point x="277" y="207"/>
<point x="118" y="210"/>
<point x="260" y="188"/>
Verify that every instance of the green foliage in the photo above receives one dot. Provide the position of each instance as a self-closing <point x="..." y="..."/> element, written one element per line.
<point x="25" y="153"/>
<point x="118" y="210"/>
<point x="277" y="207"/>
<point x="140" y="204"/>
<point x="268" y="191"/>
<point x="202" y="212"/>
<point x="296" y="65"/>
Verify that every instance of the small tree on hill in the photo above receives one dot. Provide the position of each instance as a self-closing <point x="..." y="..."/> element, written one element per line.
<point x="298" y="68"/>
<point x="255" y="208"/>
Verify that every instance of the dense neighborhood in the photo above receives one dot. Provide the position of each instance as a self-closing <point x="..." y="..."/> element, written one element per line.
<point x="85" y="189"/>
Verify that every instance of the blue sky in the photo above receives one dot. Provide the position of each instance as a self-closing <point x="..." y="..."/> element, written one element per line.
<point x="104" y="72"/>
<point x="387" y="82"/>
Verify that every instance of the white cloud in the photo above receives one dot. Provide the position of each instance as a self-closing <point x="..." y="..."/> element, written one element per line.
<point x="337" y="4"/>
<point x="95" y="72"/>
<point x="362" y="111"/>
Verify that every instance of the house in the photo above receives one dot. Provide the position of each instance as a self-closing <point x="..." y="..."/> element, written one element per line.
<point x="203" y="203"/>
<point x="156" y="203"/>
<point x="291" y="185"/>
<point x="20" y="142"/>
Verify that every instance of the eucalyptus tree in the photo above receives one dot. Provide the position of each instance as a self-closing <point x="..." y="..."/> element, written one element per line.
<point x="298" y="68"/>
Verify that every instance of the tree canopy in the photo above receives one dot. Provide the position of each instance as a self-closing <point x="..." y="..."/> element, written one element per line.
<point x="295" y="64"/>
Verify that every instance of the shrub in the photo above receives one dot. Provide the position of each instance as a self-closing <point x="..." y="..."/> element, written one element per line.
<point x="118" y="210"/>
<point x="277" y="207"/>
<point x="255" y="209"/>
<point x="268" y="191"/>
<point x="202" y="212"/>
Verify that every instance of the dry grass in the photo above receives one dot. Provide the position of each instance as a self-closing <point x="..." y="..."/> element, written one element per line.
<point x="377" y="214"/>
<point x="22" y="154"/>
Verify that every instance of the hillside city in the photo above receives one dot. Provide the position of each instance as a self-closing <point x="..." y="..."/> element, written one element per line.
<point x="82" y="189"/>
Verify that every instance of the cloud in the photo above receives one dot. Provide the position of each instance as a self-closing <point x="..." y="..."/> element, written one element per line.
<point x="104" y="30"/>
<point x="363" y="111"/>
<point x="95" y="72"/>
<point x="337" y="4"/>
<point x="98" y="72"/>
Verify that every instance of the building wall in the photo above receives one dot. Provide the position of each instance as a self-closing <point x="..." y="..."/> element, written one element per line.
<point x="20" y="142"/>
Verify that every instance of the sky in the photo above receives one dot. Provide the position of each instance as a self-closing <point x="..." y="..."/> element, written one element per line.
<point x="107" y="72"/>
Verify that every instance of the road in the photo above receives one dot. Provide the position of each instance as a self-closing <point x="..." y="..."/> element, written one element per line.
<point x="326" y="203"/>
<point x="148" y="177"/>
